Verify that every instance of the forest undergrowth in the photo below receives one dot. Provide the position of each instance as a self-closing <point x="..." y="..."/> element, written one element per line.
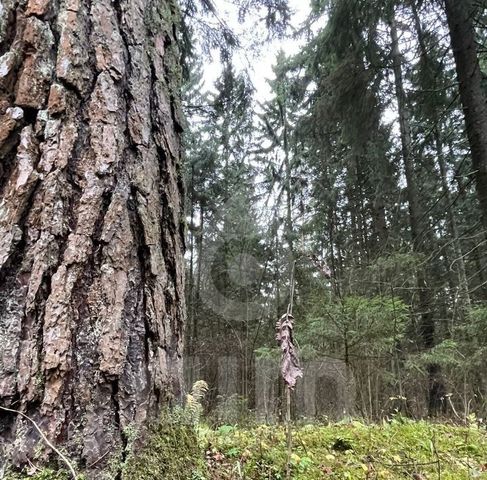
<point x="397" y="449"/>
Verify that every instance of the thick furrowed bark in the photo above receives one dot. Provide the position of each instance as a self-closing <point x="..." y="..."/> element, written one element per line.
<point x="91" y="267"/>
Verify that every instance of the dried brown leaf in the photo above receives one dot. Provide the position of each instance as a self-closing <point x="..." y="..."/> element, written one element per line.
<point x="290" y="368"/>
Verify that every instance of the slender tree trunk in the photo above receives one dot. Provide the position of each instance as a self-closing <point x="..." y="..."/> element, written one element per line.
<point x="378" y="211"/>
<point x="334" y="261"/>
<point x="199" y="243"/>
<point x="427" y="322"/>
<point x="277" y="274"/>
<point x="288" y="180"/>
<point x="460" y="16"/>
<point x="91" y="232"/>
<point x="191" y="328"/>
<point x="457" y="250"/>
<point x="406" y="141"/>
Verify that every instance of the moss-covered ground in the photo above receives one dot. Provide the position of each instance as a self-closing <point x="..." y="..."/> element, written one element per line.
<point x="400" y="449"/>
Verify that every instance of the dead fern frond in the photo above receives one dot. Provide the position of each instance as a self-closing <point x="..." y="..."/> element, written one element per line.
<point x="199" y="390"/>
<point x="193" y="405"/>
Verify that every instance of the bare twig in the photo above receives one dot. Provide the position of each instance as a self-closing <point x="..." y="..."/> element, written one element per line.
<point x="289" y="436"/>
<point x="288" y="388"/>
<point x="99" y="459"/>
<point x="46" y="440"/>
<point x="454" y="410"/>
<point x="437" y="456"/>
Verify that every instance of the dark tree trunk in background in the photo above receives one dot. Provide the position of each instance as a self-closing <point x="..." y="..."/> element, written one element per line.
<point x="420" y="230"/>
<point x="412" y="190"/>
<point x="428" y="67"/>
<point x="91" y="235"/>
<point x="460" y="15"/>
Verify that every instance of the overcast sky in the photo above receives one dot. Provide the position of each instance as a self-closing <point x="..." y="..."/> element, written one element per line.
<point x="258" y="66"/>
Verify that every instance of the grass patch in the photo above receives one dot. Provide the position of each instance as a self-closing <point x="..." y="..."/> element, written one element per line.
<point x="400" y="449"/>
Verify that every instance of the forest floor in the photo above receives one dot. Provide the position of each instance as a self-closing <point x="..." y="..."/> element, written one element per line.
<point x="400" y="449"/>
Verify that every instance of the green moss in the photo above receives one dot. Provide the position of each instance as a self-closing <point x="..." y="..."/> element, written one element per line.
<point x="44" y="474"/>
<point x="354" y="451"/>
<point x="170" y="450"/>
<point x="160" y="16"/>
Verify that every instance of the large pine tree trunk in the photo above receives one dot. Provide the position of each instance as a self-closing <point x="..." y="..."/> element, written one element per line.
<point x="91" y="232"/>
<point x="474" y="100"/>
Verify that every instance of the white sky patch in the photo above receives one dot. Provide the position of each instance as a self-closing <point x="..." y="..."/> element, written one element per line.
<point x="258" y="65"/>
